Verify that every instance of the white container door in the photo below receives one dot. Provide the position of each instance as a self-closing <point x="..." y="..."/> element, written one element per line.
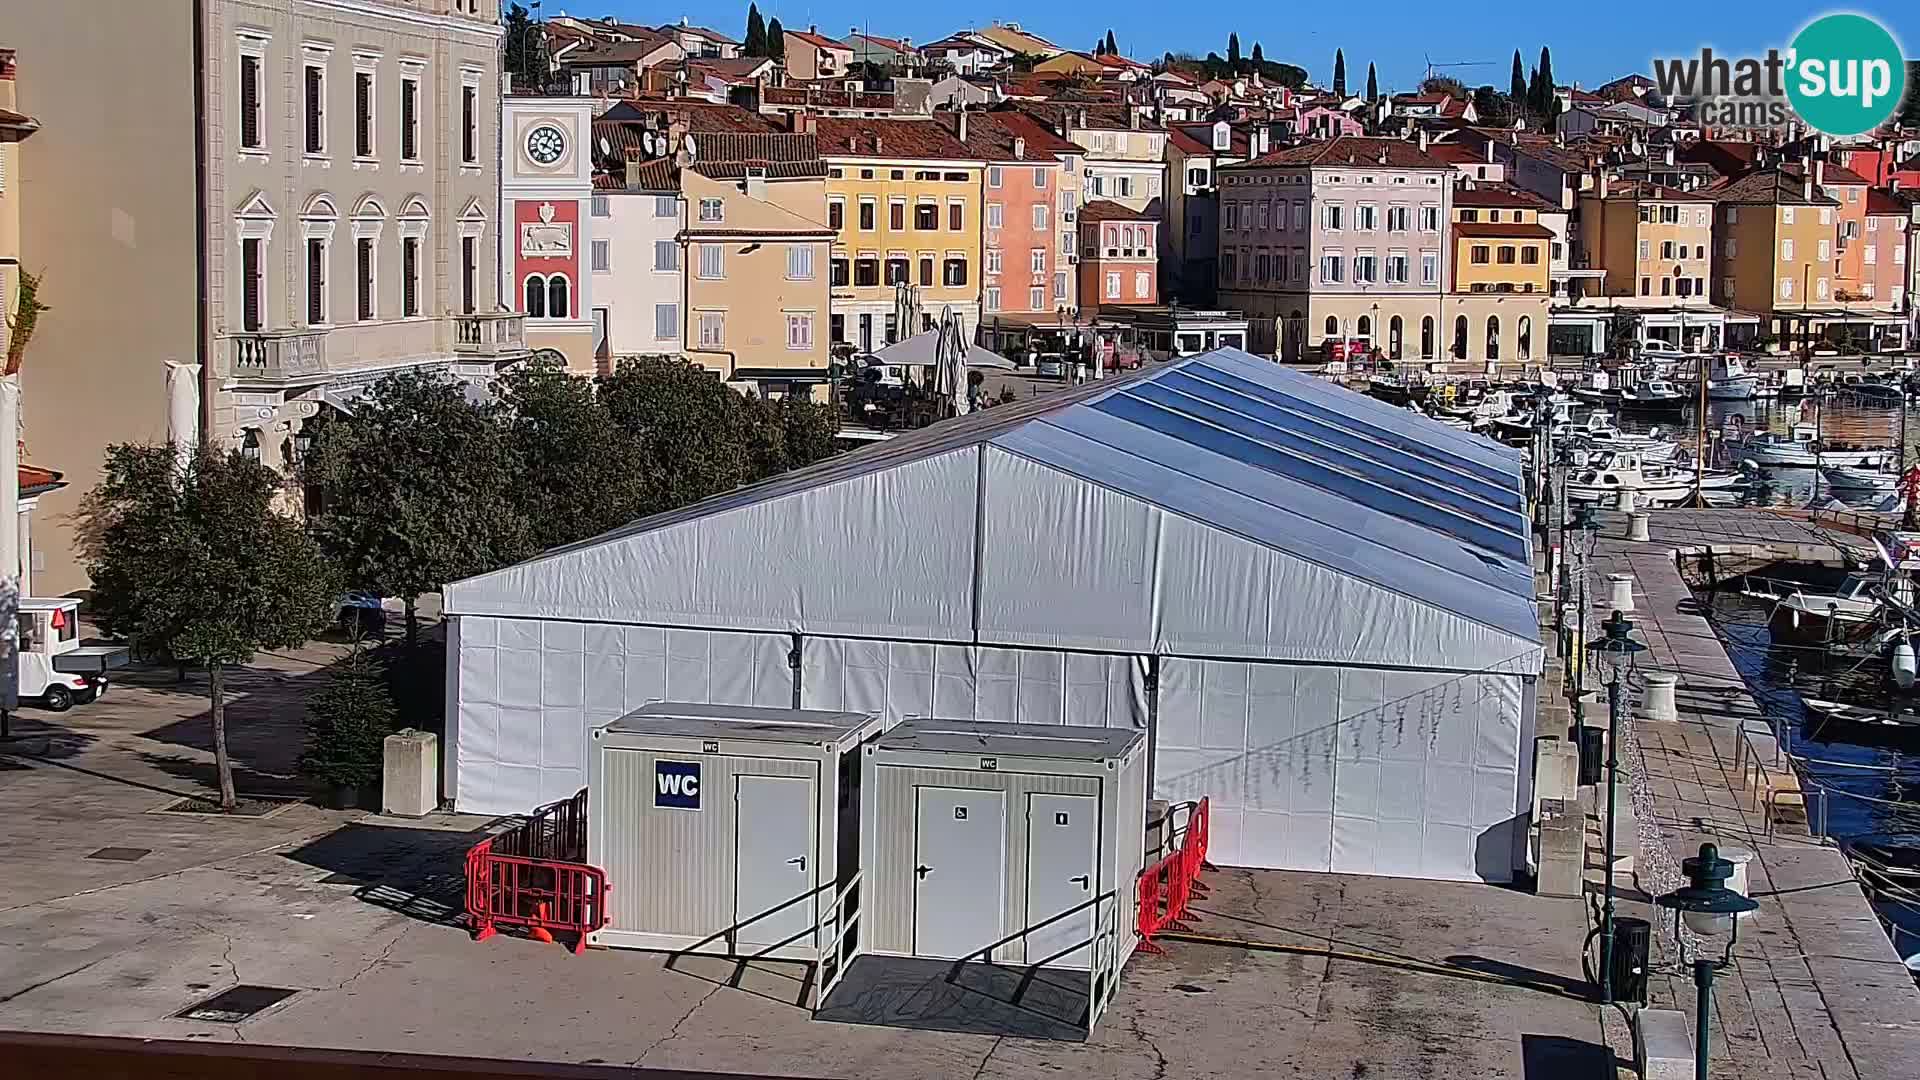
<point x="959" y="871"/>
<point x="1062" y="846"/>
<point x="774" y="843"/>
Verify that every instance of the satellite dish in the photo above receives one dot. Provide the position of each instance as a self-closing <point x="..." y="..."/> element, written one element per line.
<point x="606" y="148"/>
<point x="646" y="142"/>
<point x="693" y="150"/>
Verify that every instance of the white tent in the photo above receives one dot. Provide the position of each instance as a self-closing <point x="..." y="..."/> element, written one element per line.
<point x="1319" y="606"/>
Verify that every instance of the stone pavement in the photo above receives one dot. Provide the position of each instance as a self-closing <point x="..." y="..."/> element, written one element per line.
<point x="1303" y="975"/>
<point x="1817" y="989"/>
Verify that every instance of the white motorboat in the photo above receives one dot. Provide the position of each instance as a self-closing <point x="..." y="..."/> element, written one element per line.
<point x="1846" y="478"/>
<point x="1802" y="448"/>
<point x="1661" y="472"/>
<point x="1728" y="379"/>
<point x="1853" y="714"/>
<point x="1651" y="486"/>
<point x="1800" y="611"/>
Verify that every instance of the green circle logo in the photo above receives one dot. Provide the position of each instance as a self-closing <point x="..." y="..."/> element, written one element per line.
<point x="1845" y="75"/>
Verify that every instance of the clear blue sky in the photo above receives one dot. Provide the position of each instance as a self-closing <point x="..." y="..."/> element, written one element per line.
<point x="1591" y="42"/>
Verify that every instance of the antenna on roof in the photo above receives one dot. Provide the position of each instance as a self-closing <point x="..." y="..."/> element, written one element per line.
<point x="693" y="150"/>
<point x="606" y="148"/>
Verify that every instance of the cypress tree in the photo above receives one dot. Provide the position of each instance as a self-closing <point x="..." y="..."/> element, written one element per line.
<point x="1258" y="56"/>
<point x="1518" y="89"/>
<point x="1545" y="104"/>
<point x="1233" y="52"/>
<point x="756" y="43"/>
<point x="1339" y="73"/>
<point x="1113" y="47"/>
<point x="1373" y="83"/>
<point x="776" y="40"/>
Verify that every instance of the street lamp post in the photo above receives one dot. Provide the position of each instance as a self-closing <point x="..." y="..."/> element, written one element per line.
<point x="1586" y="532"/>
<point x="1710" y="910"/>
<point x="1618" y="649"/>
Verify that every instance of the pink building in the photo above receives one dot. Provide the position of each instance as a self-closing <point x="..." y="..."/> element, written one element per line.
<point x="1325" y="122"/>
<point x="1031" y="189"/>
<point x="1118" y="260"/>
<point x="1885" y="273"/>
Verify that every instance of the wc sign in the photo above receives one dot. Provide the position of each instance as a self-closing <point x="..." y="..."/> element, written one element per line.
<point x="676" y="784"/>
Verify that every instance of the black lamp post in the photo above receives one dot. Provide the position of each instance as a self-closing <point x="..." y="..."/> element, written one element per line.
<point x="1586" y="533"/>
<point x="1618" y="650"/>
<point x="1710" y="910"/>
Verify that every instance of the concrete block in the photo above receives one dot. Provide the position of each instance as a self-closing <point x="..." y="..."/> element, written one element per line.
<point x="1662" y="1045"/>
<point x="1563" y="857"/>
<point x="1556" y="765"/>
<point x="411" y="777"/>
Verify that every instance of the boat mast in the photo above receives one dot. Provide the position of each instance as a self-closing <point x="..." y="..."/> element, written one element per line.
<point x="1700" y="443"/>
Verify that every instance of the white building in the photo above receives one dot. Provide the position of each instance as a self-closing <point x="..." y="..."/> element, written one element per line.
<point x="1318" y="607"/>
<point x="635" y="259"/>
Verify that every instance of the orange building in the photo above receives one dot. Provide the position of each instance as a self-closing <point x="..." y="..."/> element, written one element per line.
<point x="1025" y="255"/>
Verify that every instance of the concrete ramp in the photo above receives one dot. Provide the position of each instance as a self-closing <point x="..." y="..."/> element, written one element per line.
<point x="939" y="995"/>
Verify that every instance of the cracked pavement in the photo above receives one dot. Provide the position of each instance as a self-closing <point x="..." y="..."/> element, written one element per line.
<point x="354" y="911"/>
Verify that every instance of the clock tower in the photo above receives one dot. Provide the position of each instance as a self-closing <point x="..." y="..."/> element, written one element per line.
<point x="546" y="183"/>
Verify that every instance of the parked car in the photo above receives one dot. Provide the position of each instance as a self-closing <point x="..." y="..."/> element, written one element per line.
<point x="361" y="613"/>
<point x="1051" y="366"/>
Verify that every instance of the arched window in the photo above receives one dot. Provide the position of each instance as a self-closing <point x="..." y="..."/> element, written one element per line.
<point x="1426" y="337"/>
<point x="1333" y="327"/>
<point x="1460" y="337"/>
<point x="536" y="296"/>
<point x="1493" y="337"/>
<point x="1395" y="328"/>
<point x="1526" y="337"/>
<point x="1364" y="327"/>
<point x="557" y="306"/>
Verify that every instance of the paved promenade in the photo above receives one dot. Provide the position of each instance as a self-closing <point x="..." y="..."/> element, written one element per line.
<point x="1817" y="990"/>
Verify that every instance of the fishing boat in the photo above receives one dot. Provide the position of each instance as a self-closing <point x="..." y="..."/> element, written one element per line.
<point x="1802" y="448"/>
<point x="1625" y="471"/>
<point x="1847" y="478"/>
<point x="1853" y="714"/>
<point x="1886" y="392"/>
<point x="1728" y="379"/>
<point x="1654" y="395"/>
<point x="1661" y="472"/>
<point x="1803" y="611"/>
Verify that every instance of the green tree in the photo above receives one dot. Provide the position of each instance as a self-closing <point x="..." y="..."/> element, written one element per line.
<point x="776" y="40"/>
<point x="348" y="721"/>
<point x="688" y="430"/>
<point x="1373" y="83"/>
<point x="1339" y="73"/>
<point x="756" y="43"/>
<point x="1492" y="106"/>
<point x="194" y="564"/>
<point x="1258" y="57"/>
<point x="1517" y="89"/>
<point x="1445" y="84"/>
<point x="1543" y="95"/>
<point x="1112" y="48"/>
<point x="580" y="474"/>
<point x="1233" y="52"/>
<point x="521" y="42"/>
<point x="417" y="488"/>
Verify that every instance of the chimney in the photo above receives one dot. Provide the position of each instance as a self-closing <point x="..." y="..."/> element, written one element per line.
<point x="1489" y="148"/>
<point x="1893" y="184"/>
<point x="1669" y="153"/>
<point x="633" y="168"/>
<point x="851" y="147"/>
<point x="963" y="125"/>
<point x="1133" y="118"/>
<point x="1383" y="155"/>
<point x="879" y="144"/>
<point x="1600" y="183"/>
<point x="1820" y="172"/>
<point x="1806" y="185"/>
<point x="756" y="185"/>
<point x="1423" y="144"/>
<point x="1080" y="117"/>
<point x="1020" y="149"/>
<point x="812" y="29"/>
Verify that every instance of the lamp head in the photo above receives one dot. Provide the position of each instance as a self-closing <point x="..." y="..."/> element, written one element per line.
<point x="1705" y="901"/>
<point x="1617" y="647"/>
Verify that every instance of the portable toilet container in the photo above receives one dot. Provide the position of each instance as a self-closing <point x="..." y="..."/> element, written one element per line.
<point x="729" y="830"/>
<point x="1016" y="843"/>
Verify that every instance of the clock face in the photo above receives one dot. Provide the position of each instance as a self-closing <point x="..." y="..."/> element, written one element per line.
<point x="545" y="144"/>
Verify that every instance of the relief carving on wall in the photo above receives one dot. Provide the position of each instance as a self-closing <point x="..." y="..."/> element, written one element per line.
<point x="546" y="238"/>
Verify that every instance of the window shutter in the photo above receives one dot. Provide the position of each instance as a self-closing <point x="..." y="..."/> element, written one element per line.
<point x="250" y="101"/>
<point x="466" y="274"/>
<point x="409" y="276"/>
<point x="469" y="116"/>
<point x="315" y="115"/>
<point x="363" y="114"/>
<point x="316" y="281"/>
<point x="363" y="255"/>
<point x="409" y="113"/>
<point x="250" y="284"/>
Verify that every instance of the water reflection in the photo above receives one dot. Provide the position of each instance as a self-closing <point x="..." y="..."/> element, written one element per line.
<point x="1841" y="419"/>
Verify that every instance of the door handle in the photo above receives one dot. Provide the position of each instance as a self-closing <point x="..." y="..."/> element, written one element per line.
<point x="801" y="861"/>
<point x="922" y="871"/>
<point x="1083" y="879"/>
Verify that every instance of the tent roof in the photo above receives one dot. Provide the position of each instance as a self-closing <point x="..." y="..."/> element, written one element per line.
<point x="1269" y="462"/>
<point x="920" y="349"/>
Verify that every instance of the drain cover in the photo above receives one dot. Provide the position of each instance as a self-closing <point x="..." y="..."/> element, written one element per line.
<point x="121" y="854"/>
<point x="243" y="1002"/>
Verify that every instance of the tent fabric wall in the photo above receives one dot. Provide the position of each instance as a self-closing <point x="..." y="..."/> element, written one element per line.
<point x="1369" y="771"/>
<point x="1030" y="686"/>
<point x="526" y="692"/>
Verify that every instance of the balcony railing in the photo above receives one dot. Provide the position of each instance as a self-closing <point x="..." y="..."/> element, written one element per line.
<point x="494" y="333"/>
<point x="278" y="355"/>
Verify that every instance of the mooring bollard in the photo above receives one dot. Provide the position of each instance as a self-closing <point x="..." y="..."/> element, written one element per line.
<point x="1637" y="527"/>
<point x="1620" y="592"/>
<point x="1624" y="501"/>
<point x="1659" y="703"/>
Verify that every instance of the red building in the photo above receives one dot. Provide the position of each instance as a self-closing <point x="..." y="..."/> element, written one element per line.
<point x="1118" y="256"/>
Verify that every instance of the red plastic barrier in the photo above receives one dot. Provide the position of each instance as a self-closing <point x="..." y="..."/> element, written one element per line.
<point x="1168" y="886"/>
<point x="535" y="875"/>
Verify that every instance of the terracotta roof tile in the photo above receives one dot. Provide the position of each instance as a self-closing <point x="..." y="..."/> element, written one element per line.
<point x="889" y="138"/>
<point x="1501" y="195"/>
<point x="1884" y="202"/>
<point x="1496" y="229"/>
<point x="1766" y="187"/>
<point x="817" y="40"/>
<point x="35" y="480"/>
<point x="1352" y="150"/>
<point x="990" y="137"/>
<point x="1108" y="210"/>
<point x="1647" y="192"/>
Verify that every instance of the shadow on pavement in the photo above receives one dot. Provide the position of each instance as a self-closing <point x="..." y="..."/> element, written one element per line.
<point x="1524" y="976"/>
<point x="419" y="873"/>
<point x="1557" y="1057"/>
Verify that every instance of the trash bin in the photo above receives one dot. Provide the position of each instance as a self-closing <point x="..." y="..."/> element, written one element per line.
<point x="1632" y="938"/>
<point x="1593" y="754"/>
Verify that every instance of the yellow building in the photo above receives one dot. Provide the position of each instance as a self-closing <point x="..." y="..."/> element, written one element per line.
<point x="1774" y="231"/>
<point x="1496" y="307"/>
<point x="756" y="274"/>
<point x="904" y="198"/>
<point x="1653" y="243"/>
